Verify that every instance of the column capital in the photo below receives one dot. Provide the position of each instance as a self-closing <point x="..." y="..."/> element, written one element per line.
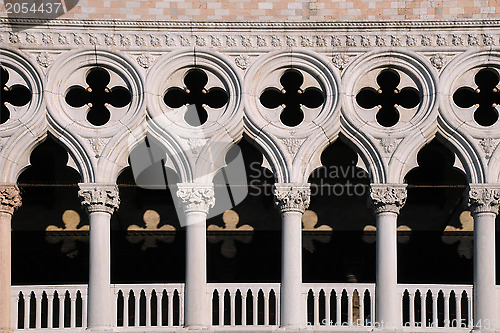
<point x="484" y="198"/>
<point x="10" y="198"/>
<point x="99" y="197"/>
<point x="292" y="197"/>
<point x="196" y="197"/>
<point x="387" y="197"/>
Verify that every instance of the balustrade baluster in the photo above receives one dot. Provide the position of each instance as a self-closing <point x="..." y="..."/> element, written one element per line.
<point x="159" y="303"/>
<point x="327" y="307"/>
<point x="50" y="310"/>
<point x="27" y="311"/>
<point x="423" y="314"/>
<point x="232" y="298"/>
<point x="149" y="297"/>
<point x="255" y="301"/>
<point x="170" y="295"/>
<point x="266" y="310"/>
<point x="316" y="308"/>
<point x="221" y="308"/>
<point x="458" y="306"/>
<point x="126" y="296"/>
<point x="38" y="313"/>
<point x="469" y="310"/>
<point x="84" y="307"/>
<point x="181" y="308"/>
<point x="243" y="309"/>
<point x="446" y="310"/>
<point x="339" y="308"/>
<point x="435" y="297"/>
<point x="73" y="310"/>
<point x="412" y="308"/>
<point x="137" y="303"/>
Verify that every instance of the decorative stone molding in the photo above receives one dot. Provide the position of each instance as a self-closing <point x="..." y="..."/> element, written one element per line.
<point x="196" y="197"/>
<point x="290" y="197"/>
<point x="99" y="198"/>
<point x="387" y="197"/>
<point x="484" y="198"/>
<point x="10" y="199"/>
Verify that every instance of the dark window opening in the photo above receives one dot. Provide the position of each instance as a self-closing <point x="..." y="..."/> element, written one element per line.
<point x="17" y="95"/>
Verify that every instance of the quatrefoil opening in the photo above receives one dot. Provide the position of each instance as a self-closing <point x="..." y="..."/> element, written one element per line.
<point x="388" y="98"/>
<point x="17" y="95"/>
<point x="196" y="97"/>
<point x="486" y="97"/>
<point x="97" y="96"/>
<point x="292" y="98"/>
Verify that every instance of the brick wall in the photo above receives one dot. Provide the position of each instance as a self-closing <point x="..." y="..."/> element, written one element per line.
<point x="279" y="10"/>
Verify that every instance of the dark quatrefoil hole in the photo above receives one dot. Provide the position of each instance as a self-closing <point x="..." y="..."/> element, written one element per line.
<point x="97" y="96"/>
<point x="388" y="98"/>
<point x="17" y="95"/>
<point x="196" y="97"/>
<point x="485" y="97"/>
<point x="291" y="97"/>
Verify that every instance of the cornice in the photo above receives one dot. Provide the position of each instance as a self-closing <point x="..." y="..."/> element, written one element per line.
<point x="26" y="23"/>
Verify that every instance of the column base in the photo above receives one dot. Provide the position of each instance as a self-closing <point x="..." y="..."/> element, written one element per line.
<point x="199" y="328"/>
<point x="100" y="329"/>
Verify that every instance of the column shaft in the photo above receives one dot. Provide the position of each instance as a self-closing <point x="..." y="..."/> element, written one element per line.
<point x="100" y="201"/>
<point x="292" y="200"/>
<point x="387" y="200"/>
<point x="484" y="201"/>
<point x="485" y="309"/>
<point x="5" y="271"/>
<point x="387" y="301"/>
<point x="196" y="200"/>
<point x="195" y="292"/>
<point x="99" y="290"/>
<point x="291" y="270"/>
<point x="10" y="200"/>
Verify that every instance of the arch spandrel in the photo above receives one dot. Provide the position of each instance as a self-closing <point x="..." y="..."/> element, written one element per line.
<point x="298" y="145"/>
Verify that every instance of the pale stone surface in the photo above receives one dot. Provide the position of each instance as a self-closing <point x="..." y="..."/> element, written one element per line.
<point x="10" y="200"/>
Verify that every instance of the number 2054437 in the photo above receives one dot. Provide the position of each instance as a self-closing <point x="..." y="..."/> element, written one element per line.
<point x="32" y="8"/>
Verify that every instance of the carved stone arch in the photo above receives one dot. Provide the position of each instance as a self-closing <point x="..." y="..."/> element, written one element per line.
<point x="87" y="141"/>
<point x="293" y="150"/>
<point x="373" y="162"/>
<point x="405" y="159"/>
<point x="223" y="125"/>
<point x="274" y="158"/>
<point x="478" y="142"/>
<point x="27" y="125"/>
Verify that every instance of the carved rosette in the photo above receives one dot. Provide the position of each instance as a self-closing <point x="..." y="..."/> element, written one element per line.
<point x="196" y="197"/>
<point x="99" y="198"/>
<point x="290" y="197"/>
<point x="484" y="198"/>
<point x="10" y="199"/>
<point x="387" y="197"/>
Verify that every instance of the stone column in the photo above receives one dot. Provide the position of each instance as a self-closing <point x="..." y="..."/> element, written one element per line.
<point x="100" y="202"/>
<point x="196" y="200"/>
<point x="387" y="200"/>
<point x="292" y="200"/>
<point x="484" y="200"/>
<point x="10" y="200"/>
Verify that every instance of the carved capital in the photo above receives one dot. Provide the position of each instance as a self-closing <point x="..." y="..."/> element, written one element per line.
<point x="387" y="197"/>
<point x="99" y="198"/>
<point x="290" y="197"/>
<point x="10" y="199"/>
<point x="196" y="197"/>
<point x="484" y="198"/>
